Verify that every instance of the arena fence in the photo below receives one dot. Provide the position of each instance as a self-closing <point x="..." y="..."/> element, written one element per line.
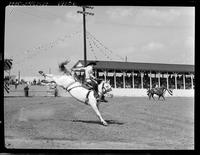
<point x="34" y="91"/>
<point x="143" y="92"/>
<point x="45" y="91"/>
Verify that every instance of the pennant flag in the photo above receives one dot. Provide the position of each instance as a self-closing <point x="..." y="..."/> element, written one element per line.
<point x="6" y="87"/>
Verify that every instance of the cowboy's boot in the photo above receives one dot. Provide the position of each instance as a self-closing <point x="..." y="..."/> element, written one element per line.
<point x="103" y="99"/>
<point x="96" y="95"/>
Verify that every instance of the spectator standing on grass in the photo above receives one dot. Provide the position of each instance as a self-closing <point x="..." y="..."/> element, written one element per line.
<point x="55" y="91"/>
<point x="16" y="83"/>
<point x="26" y="90"/>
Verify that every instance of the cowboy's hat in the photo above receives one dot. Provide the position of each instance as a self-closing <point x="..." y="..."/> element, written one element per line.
<point x="91" y="63"/>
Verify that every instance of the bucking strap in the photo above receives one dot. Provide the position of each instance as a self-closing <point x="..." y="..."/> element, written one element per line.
<point x="86" y="99"/>
<point x="67" y="88"/>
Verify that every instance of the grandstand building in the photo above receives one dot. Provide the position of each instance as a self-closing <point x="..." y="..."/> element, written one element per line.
<point x="132" y="78"/>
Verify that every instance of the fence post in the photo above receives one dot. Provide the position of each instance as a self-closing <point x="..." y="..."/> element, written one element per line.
<point x="56" y="91"/>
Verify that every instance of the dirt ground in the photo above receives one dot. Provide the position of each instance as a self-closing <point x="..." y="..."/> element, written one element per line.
<point x="64" y="123"/>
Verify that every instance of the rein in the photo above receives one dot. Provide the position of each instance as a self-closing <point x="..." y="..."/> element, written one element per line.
<point x="103" y="89"/>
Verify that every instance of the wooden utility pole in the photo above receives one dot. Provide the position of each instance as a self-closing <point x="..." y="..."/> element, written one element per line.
<point x="126" y="59"/>
<point x="19" y="76"/>
<point x="84" y="30"/>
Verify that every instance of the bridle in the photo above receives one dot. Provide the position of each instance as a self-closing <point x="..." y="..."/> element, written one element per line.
<point x="104" y="91"/>
<point x="103" y="88"/>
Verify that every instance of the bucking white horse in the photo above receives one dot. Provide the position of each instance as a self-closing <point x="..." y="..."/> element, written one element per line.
<point x="77" y="90"/>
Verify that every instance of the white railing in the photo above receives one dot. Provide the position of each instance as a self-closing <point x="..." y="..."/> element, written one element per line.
<point x="143" y="92"/>
<point x="129" y="92"/>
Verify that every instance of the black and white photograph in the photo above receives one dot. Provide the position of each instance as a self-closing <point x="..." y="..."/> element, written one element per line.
<point x="99" y="77"/>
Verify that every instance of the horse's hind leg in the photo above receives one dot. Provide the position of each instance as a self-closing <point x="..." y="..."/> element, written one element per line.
<point x="98" y="103"/>
<point x="93" y="103"/>
<point x="149" y="96"/>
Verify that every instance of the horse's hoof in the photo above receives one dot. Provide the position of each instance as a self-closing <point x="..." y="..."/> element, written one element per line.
<point x="103" y="100"/>
<point x="105" y="123"/>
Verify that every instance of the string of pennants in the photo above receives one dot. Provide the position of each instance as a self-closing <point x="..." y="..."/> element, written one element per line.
<point x="93" y="42"/>
<point x="104" y="50"/>
<point x="97" y="46"/>
<point x="30" y="53"/>
<point x="91" y="48"/>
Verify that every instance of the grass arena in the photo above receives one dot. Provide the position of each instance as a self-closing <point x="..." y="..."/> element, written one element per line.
<point x="39" y="122"/>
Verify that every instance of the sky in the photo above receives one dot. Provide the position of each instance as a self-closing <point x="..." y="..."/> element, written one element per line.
<point x="40" y="37"/>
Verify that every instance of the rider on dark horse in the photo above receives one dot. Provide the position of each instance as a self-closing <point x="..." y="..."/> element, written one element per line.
<point x="158" y="91"/>
<point x="91" y="79"/>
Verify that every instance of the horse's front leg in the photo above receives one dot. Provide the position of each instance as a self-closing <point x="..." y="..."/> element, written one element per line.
<point x="163" y="97"/>
<point x="93" y="103"/>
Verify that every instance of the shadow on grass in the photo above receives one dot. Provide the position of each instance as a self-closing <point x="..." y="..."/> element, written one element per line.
<point x="98" y="122"/>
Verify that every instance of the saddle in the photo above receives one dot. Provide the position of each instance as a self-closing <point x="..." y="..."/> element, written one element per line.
<point x="90" y="87"/>
<point x="87" y="86"/>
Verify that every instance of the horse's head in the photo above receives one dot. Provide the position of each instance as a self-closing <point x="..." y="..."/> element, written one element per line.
<point x="104" y="87"/>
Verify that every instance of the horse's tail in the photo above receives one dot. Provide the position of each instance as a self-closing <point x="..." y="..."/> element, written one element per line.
<point x="170" y="91"/>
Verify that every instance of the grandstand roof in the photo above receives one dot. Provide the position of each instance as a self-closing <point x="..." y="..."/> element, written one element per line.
<point x="118" y="65"/>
